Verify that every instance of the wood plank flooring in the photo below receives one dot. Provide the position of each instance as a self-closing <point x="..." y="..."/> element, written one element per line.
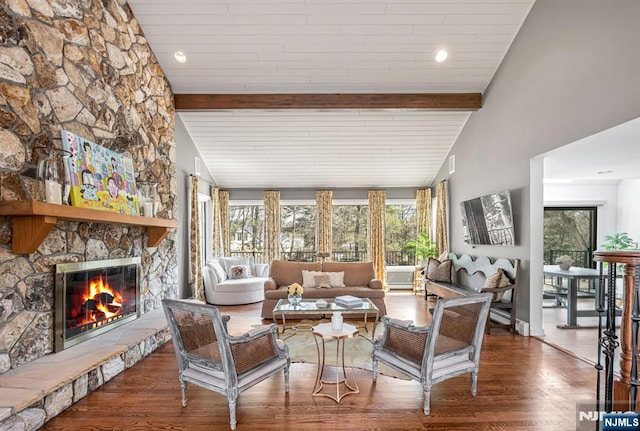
<point x="523" y="384"/>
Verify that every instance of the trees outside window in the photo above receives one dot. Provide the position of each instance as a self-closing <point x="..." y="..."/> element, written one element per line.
<point x="572" y="232"/>
<point x="400" y="229"/>
<point x="349" y="233"/>
<point x="298" y="232"/>
<point x="246" y="228"/>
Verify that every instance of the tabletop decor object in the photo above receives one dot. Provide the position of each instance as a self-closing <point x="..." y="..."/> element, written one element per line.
<point x="294" y="294"/>
<point x="564" y="262"/>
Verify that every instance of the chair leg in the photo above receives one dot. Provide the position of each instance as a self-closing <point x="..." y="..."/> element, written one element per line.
<point x="374" y="368"/>
<point x="232" y="413"/>
<point x="183" y="387"/>
<point x="474" y="383"/>
<point x="286" y="379"/>
<point x="427" y="401"/>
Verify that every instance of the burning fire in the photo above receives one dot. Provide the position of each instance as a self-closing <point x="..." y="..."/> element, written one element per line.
<point x="102" y="301"/>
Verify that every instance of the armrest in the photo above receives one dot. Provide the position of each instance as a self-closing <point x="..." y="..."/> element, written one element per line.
<point x="253" y="334"/>
<point x="392" y="327"/>
<point x="270" y="284"/>
<point x="375" y="284"/>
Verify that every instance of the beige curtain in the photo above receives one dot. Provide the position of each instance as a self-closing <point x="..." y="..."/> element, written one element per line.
<point x="324" y="210"/>
<point x="375" y="232"/>
<point x="223" y="197"/>
<point x="195" y="256"/>
<point x="423" y="211"/>
<point x="442" y="240"/>
<point x="271" y="225"/>
<point x="218" y="247"/>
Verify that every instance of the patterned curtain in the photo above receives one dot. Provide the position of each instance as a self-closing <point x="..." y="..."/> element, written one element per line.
<point x="271" y="225"/>
<point x="442" y="240"/>
<point x="223" y="197"/>
<point x="324" y="210"/>
<point x="375" y="232"/>
<point x="423" y="210"/>
<point x="195" y="256"/>
<point x="218" y="248"/>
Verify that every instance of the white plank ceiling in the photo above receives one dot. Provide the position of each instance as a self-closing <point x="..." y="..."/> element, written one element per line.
<point x="320" y="46"/>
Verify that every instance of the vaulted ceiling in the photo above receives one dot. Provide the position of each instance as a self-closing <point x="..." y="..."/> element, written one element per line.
<point x="325" y="47"/>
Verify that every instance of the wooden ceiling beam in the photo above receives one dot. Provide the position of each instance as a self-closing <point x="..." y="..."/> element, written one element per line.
<point x="437" y="101"/>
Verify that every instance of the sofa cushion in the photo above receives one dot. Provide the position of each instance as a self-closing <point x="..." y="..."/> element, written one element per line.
<point x="439" y="271"/>
<point x="355" y="273"/>
<point x="239" y="271"/>
<point x="221" y="274"/>
<point x="228" y="262"/>
<point x="497" y="279"/>
<point x="285" y="273"/>
<point x="337" y="278"/>
<point x="308" y="278"/>
<point x="322" y="281"/>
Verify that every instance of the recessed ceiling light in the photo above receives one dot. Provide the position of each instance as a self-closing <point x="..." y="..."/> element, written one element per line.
<point x="180" y="57"/>
<point x="441" y="56"/>
<point x="604" y="172"/>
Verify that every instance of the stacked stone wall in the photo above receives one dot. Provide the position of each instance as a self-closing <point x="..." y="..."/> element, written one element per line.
<point x="86" y="67"/>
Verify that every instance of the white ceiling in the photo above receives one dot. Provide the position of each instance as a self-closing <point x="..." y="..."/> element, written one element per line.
<point x="321" y="46"/>
<point x="609" y="156"/>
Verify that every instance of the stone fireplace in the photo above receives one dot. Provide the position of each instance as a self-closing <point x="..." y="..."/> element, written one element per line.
<point x="94" y="297"/>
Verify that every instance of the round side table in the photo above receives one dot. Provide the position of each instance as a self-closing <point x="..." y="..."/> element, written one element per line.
<point x="334" y="375"/>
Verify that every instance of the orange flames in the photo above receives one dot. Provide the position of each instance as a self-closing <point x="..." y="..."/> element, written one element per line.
<point x="107" y="301"/>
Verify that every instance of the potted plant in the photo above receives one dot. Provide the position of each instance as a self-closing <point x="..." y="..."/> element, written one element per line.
<point x="618" y="241"/>
<point x="423" y="247"/>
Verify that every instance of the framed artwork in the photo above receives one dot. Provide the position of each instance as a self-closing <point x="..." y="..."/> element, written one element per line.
<point x="98" y="177"/>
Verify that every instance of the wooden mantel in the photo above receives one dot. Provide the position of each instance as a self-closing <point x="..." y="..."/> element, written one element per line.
<point x="32" y="221"/>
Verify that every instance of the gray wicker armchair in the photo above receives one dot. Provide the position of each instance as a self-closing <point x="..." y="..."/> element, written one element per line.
<point x="211" y="358"/>
<point x="447" y="348"/>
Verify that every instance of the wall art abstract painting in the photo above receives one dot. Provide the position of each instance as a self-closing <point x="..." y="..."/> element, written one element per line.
<point x="100" y="178"/>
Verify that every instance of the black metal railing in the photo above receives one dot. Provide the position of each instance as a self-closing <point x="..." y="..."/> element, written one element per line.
<point x="582" y="258"/>
<point x="392" y="257"/>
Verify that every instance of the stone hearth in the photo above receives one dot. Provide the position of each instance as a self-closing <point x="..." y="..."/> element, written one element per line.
<point x="34" y="393"/>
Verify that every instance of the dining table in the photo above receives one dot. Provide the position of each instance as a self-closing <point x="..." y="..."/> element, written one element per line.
<point x="573" y="275"/>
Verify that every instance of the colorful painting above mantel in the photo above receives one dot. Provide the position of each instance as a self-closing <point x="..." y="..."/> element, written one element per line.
<point x="100" y="178"/>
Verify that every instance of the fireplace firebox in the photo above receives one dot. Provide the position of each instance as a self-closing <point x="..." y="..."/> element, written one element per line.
<point x="94" y="297"/>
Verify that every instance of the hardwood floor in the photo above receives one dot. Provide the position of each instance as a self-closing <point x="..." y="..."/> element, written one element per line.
<point x="523" y="384"/>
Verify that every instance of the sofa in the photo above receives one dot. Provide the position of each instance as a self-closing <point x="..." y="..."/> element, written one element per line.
<point x="234" y="281"/>
<point x="464" y="275"/>
<point x="358" y="280"/>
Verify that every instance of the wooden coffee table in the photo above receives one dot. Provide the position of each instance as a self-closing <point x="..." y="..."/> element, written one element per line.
<point x="311" y="307"/>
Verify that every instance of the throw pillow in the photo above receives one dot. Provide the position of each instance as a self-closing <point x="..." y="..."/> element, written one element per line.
<point x="322" y="281"/>
<point x="439" y="271"/>
<point x="221" y="274"/>
<point x="239" y="271"/>
<point x="498" y="279"/>
<point x="228" y="262"/>
<point x="308" y="279"/>
<point x="337" y="278"/>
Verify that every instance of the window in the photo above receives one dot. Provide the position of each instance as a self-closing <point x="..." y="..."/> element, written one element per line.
<point x="246" y="230"/>
<point x="298" y="232"/>
<point x="400" y="228"/>
<point x="572" y="232"/>
<point x="349" y="233"/>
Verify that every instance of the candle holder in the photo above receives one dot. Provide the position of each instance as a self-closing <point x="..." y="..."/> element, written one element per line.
<point x="53" y="174"/>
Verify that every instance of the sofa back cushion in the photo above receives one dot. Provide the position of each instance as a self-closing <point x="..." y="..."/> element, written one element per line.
<point x="355" y="273"/>
<point x="285" y="273"/>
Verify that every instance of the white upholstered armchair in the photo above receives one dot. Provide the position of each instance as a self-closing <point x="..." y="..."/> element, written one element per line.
<point x="211" y="358"/>
<point x="447" y="348"/>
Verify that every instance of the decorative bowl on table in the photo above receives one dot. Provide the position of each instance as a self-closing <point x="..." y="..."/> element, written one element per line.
<point x="564" y="262"/>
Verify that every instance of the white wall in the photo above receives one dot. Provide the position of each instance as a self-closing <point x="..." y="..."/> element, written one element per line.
<point x="629" y="208"/>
